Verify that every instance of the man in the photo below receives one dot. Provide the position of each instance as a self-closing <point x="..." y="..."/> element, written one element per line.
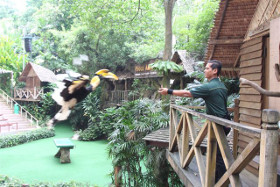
<point x="214" y="93"/>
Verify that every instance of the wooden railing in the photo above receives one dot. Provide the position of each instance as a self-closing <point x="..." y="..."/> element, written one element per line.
<point x="24" y="113"/>
<point x="28" y="94"/>
<point x="264" y="141"/>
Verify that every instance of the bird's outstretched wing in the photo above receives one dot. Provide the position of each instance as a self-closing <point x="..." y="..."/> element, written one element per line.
<point x="72" y="91"/>
<point x="67" y="87"/>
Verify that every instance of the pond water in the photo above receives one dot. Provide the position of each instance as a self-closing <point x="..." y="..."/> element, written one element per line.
<point x="35" y="162"/>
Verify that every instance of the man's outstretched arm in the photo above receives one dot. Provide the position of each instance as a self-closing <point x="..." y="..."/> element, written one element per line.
<point x="180" y="93"/>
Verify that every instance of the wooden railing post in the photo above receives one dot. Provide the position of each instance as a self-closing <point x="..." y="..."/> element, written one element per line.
<point x="269" y="148"/>
<point x="235" y="132"/>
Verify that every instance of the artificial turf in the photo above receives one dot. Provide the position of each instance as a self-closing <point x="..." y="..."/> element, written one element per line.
<point x="34" y="162"/>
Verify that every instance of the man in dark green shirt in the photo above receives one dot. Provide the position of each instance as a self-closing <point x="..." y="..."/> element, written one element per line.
<point x="214" y="93"/>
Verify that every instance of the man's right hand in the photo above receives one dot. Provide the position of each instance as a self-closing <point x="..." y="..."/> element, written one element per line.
<point x="162" y="91"/>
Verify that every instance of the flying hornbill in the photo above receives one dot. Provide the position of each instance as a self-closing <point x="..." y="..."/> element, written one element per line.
<point x="70" y="92"/>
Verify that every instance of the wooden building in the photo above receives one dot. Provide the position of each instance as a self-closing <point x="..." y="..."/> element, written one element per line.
<point x="246" y="39"/>
<point x="35" y="77"/>
<point x="122" y="90"/>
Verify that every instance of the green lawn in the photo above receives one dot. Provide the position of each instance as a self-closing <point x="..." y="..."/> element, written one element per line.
<point x="35" y="162"/>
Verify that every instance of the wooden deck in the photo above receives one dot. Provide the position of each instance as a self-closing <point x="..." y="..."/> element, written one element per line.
<point x="190" y="175"/>
<point x="160" y="138"/>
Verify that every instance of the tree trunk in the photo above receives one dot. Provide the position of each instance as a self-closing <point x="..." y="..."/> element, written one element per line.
<point x="168" y="7"/>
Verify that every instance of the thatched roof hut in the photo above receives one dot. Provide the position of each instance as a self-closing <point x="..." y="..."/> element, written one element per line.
<point x="33" y="70"/>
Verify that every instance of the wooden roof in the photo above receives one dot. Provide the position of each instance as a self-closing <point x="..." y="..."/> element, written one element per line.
<point x="181" y="57"/>
<point x="44" y="74"/>
<point x="265" y="12"/>
<point x="230" y="27"/>
<point x="2" y="71"/>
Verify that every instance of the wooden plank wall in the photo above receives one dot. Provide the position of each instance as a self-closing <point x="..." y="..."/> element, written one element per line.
<point x="251" y="68"/>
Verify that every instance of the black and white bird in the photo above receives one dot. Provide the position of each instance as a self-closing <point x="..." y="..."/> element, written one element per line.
<point x="70" y="92"/>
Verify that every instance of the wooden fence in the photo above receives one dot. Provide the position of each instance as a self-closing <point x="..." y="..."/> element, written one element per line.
<point x="120" y="96"/>
<point x="264" y="141"/>
<point x="28" y="94"/>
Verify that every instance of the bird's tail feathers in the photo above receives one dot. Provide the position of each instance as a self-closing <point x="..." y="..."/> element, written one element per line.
<point x="60" y="116"/>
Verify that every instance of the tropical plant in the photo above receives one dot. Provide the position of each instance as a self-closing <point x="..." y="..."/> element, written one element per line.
<point x="11" y="55"/>
<point x="44" y="109"/>
<point x="131" y="122"/>
<point x="164" y="67"/>
<point x="85" y="117"/>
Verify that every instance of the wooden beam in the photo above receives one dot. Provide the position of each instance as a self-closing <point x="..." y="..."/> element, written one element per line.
<point x="189" y="157"/>
<point x="185" y="142"/>
<point x="235" y="132"/>
<point x="227" y="123"/>
<point x="197" y="150"/>
<point x="226" y="154"/>
<point x="230" y="69"/>
<point x="242" y="160"/>
<point x="211" y="158"/>
<point x="226" y="41"/>
<point x="219" y="27"/>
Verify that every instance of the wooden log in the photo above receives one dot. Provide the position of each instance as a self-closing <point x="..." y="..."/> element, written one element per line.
<point x="251" y="49"/>
<point x="251" y="42"/>
<point x="251" y="62"/>
<point x="250" y="105"/>
<point x="268" y="148"/>
<point x="252" y="55"/>
<point x="251" y="98"/>
<point x="250" y="119"/>
<point x="252" y="69"/>
<point x="248" y="91"/>
<point x="253" y="76"/>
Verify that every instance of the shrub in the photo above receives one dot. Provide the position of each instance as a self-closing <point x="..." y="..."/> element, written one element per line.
<point x="8" y="181"/>
<point x="13" y="140"/>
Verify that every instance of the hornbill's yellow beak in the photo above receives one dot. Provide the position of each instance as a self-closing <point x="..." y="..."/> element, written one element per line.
<point x="106" y="74"/>
<point x="95" y="81"/>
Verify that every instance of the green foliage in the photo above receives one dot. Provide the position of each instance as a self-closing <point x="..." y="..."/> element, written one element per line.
<point x="12" y="182"/>
<point x="10" y="58"/>
<point x="85" y="115"/>
<point x="5" y="82"/>
<point x="13" y="140"/>
<point x="130" y="123"/>
<point x="164" y="67"/>
<point x="44" y="109"/>
<point x="142" y="88"/>
<point x="193" y="25"/>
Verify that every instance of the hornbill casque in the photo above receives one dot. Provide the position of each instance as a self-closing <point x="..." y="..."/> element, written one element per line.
<point x="70" y="92"/>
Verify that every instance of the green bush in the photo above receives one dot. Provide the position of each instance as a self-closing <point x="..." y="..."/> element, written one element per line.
<point x="12" y="140"/>
<point x="8" y="181"/>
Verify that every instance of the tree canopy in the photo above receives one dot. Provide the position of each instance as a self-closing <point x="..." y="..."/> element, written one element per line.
<point x="111" y="33"/>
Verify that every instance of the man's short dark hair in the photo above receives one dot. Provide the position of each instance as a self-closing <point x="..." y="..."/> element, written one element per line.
<point x="215" y="64"/>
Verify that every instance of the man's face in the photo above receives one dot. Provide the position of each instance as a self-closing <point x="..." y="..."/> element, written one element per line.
<point x="209" y="73"/>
